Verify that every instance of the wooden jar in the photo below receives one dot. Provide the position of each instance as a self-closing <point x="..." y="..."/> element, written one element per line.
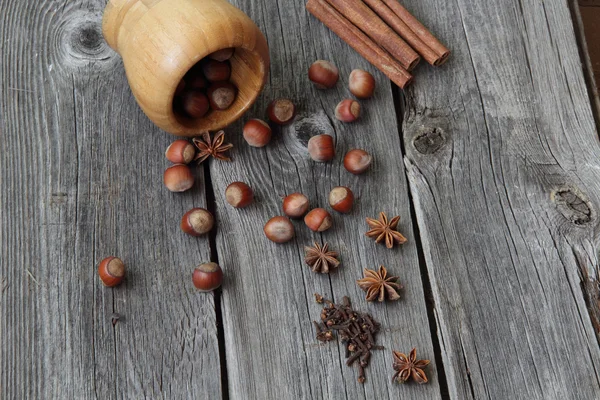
<point x="160" y="40"/>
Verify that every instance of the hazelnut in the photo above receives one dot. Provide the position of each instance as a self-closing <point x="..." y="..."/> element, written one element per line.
<point x="321" y="148"/>
<point x="341" y="199"/>
<point x="295" y="205"/>
<point x="196" y="81"/>
<point x="221" y="95"/>
<point x="361" y="83"/>
<point x="197" y="222"/>
<point x="323" y="74"/>
<point x="257" y="133"/>
<point x="357" y="161"/>
<point x="318" y="220"/>
<point x="279" y="230"/>
<point x="111" y="271"/>
<point x="178" y="178"/>
<point x="222" y="55"/>
<point x="180" y="152"/>
<point x="281" y="111"/>
<point x="347" y="110"/>
<point x="195" y="103"/>
<point x="239" y="195"/>
<point x="207" y="277"/>
<point x="215" y="71"/>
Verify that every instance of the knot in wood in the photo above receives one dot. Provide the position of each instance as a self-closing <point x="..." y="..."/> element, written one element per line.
<point x="574" y="206"/>
<point x="85" y="41"/>
<point x="80" y="42"/>
<point x="306" y="126"/>
<point x="88" y="38"/>
<point x="429" y="140"/>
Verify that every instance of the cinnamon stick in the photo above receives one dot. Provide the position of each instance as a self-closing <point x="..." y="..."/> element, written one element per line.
<point x="404" y="31"/>
<point x="366" y="20"/>
<point x="419" y="29"/>
<point x="359" y="42"/>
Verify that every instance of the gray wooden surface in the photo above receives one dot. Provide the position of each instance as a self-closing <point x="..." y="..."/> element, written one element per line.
<point x="492" y="162"/>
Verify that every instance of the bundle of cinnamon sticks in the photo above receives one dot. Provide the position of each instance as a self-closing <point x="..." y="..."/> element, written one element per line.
<point x="383" y="32"/>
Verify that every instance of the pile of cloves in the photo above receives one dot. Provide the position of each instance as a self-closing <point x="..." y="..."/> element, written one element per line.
<point x="355" y="329"/>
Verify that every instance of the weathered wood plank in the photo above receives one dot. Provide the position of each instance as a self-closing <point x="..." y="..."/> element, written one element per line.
<point x="584" y="21"/>
<point x="503" y="163"/>
<point x="81" y="173"/>
<point x="268" y="296"/>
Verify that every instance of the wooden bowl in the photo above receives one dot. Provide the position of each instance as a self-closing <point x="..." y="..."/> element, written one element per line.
<point x="160" y="40"/>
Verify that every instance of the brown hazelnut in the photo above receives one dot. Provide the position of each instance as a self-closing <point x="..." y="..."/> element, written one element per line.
<point x="239" y="195"/>
<point x="197" y="222"/>
<point x="279" y="230"/>
<point x="341" y="199"/>
<point x="111" y="271"/>
<point x="207" y="277"/>
<point x="195" y="103"/>
<point x="347" y="110"/>
<point x="221" y="95"/>
<point x="281" y="111"/>
<point x="257" y="133"/>
<point x="323" y="74"/>
<point x="321" y="148"/>
<point x="318" y="220"/>
<point x="357" y="161"/>
<point x="223" y="54"/>
<point x="361" y="83"/>
<point x="178" y="178"/>
<point x="295" y="205"/>
<point x="216" y="71"/>
<point x="196" y="81"/>
<point x="180" y="152"/>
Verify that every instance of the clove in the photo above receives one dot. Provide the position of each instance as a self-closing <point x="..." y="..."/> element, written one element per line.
<point x="355" y="329"/>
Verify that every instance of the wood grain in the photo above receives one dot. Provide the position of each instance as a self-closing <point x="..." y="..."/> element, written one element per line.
<point x="81" y="171"/>
<point x="268" y="302"/>
<point x="502" y="159"/>
<point x="503" y="164"/>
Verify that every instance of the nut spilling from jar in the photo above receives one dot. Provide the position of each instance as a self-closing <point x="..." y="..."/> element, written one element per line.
<point x="206" y="87"/>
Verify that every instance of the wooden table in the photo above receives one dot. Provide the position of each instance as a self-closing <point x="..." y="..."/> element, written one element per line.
<point x="492" y="162"/>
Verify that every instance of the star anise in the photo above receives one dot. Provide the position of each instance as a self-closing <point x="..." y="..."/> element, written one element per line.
<point x="377" y="284"/>
<point x="212" y="147"/>
<point x="320" y="259"/>
<point x="383" y="229"/>
<point x="407" y="367"/>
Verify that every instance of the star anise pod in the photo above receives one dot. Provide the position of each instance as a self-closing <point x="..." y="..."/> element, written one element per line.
<point x="407" y="367"/>
<point x="377" y="284"/>
<point x="320" y="259"/>
<point x="211" y="147"/>
<point x="383" y="229"/>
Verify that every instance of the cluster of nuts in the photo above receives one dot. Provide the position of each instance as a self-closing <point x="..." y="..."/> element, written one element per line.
<point x="324" y="75"/>
<point x="206" y="277"/>
<point x="321" y="148"/>
<point x="179" y="177"/>
<point x="296" y="205"/>
<point x="257" y="132"/>
<point x="206" y="86"/>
